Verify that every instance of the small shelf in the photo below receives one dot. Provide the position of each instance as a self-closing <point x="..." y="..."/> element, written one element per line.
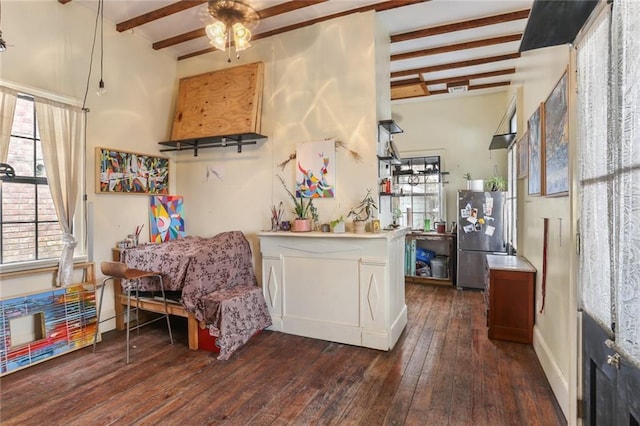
<point x="195" y="144"/>
<point x="416" y="279"/>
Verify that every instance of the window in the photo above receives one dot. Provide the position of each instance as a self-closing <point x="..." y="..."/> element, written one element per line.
<point x="417" y="191"/>
<point x="512" y="188"/>
<point x="30" y="229"/>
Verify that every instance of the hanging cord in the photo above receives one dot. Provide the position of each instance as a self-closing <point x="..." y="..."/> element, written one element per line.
<point x="93" y="46"/>
<point x="99" y="13"/>
<point x="101" y="10"/>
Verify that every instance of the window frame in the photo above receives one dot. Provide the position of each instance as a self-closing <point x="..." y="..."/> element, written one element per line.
<point x="80" y="226"/>
<point x="512" y="184"/>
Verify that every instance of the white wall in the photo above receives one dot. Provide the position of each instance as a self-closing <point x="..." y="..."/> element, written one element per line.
<point x="320" y="82"/>
<point x="52" y="54"/>
<point x="459" y="130"/>
<point x="554" y="338"/>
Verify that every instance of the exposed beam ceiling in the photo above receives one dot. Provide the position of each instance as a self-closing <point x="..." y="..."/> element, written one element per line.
<point x="433" y="43"/>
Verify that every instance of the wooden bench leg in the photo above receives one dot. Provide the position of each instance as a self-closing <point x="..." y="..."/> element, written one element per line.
<point x="192" y="327"/>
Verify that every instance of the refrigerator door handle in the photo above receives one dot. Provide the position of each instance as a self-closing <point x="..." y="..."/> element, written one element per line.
<point x="504" y="221"/>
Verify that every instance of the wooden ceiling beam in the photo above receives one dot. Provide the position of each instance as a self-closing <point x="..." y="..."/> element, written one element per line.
<point x="411" y="81"/>
<point x="145" y="18"/>
<point x="378" y="7"/>
<point x="476" y="87"/>
<point x="445" y="91"/>
<point x="264" y="13"/>
<point x="423" y="85"/>
<point x="187" y="4"/>
<point x="460" y="64"/>
<point x="456" y="47"/>
<point x="463" y="25"/>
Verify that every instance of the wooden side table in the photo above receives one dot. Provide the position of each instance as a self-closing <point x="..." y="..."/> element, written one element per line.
<point x="510" y="298"/>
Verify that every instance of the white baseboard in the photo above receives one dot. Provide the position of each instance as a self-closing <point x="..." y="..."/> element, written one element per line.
<point x="558" y="382"/>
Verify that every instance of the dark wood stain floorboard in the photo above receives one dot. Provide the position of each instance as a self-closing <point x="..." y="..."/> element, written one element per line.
<point x="443" y="371"/>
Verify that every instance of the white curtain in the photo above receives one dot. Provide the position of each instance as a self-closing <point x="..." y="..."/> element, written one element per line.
<point x="609" y="137"/>
<point x="595" y="177"/>
<point x="8" y="98"/>
<point x="626" y="188"/>
<point x="61" y="135"/>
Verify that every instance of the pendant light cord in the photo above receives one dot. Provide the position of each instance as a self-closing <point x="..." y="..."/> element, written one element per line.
<point x="101" y="10"/>
<point x="93" y="47"/>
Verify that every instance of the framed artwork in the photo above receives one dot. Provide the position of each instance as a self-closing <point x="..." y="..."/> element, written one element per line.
<point x="165" y="218"/>
<point x="536" y="134"/>
<point x="556" y="141"/>
<point x="316" y="169"/>
<point x="523" y="155"/>
<point x="122" y="172"/>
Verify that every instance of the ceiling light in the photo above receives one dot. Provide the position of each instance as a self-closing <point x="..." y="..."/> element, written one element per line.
<point x="458" y="86"/>
<point x="227" y="20"/>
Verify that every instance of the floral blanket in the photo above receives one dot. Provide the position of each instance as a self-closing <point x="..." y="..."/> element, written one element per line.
<point x="234" y="315"/>
<point x="217" y="280"/>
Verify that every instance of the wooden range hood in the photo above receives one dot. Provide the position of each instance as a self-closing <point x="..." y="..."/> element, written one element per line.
<point x="218" y="109"/>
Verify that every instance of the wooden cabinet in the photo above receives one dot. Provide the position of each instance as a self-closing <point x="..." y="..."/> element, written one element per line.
<point x="443" y="245"/>
<point x="510" y="298"/>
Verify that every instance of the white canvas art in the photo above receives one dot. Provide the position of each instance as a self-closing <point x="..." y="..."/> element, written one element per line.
<point x="316" y="169"/>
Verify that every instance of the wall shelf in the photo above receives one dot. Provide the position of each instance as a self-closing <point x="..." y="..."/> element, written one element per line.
<point x="194" y="144"/>
<point x="390" y="126"/>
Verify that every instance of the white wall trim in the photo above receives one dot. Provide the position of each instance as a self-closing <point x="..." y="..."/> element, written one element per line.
<point x="27" y="90"/>
<point x="558" y="382"/>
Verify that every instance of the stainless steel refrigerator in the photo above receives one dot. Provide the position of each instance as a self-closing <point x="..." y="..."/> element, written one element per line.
<point x="481" y="231"/>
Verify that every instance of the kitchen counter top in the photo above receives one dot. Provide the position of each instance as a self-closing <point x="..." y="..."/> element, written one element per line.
<point x="386" y="234"/>
<point x="509" y="263"/>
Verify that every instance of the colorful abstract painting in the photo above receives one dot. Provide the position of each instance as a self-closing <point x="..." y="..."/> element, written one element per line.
<point x="316" y="169"/>
<point x="165" y="218"/>
<point x="120" y="172"/>
<point x="65" y="318"/>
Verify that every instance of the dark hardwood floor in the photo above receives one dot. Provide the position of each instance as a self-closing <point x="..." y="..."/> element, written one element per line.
<point x="444" y="370"/>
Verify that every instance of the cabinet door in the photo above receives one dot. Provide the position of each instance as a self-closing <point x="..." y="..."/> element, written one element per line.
<point x="511" y="306"/>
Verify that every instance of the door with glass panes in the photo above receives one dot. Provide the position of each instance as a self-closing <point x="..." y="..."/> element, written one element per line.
<point x="608" y="103"/>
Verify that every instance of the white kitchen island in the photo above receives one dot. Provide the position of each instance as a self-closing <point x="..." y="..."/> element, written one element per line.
<point x="346" y="288"/>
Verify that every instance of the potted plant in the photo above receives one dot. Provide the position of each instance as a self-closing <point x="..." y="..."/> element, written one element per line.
<point x="337" y="225"/>
<point x="362" y="212"/>
<point x="473" y="184"/>
<point x="496" y="183"/>
<point x="301" y="208"/>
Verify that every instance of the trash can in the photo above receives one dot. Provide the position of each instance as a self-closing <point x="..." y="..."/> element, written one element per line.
<point x="439" y="267"/>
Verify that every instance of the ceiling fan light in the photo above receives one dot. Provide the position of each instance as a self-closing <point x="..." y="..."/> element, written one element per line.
<point x="217" y="35"/>
<point x="241" y="37"/>
<point x="232" y="18"/>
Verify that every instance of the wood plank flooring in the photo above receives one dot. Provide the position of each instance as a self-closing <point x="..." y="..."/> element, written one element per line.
<point x="443" y="371"/>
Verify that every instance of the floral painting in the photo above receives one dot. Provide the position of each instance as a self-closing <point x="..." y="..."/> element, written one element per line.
<point x="523" y="155"/>
<point x="316" y="169"/>
<point x="535" y="144"/>
<point x="556" y="141"/>
<point x="165" y="218"/>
